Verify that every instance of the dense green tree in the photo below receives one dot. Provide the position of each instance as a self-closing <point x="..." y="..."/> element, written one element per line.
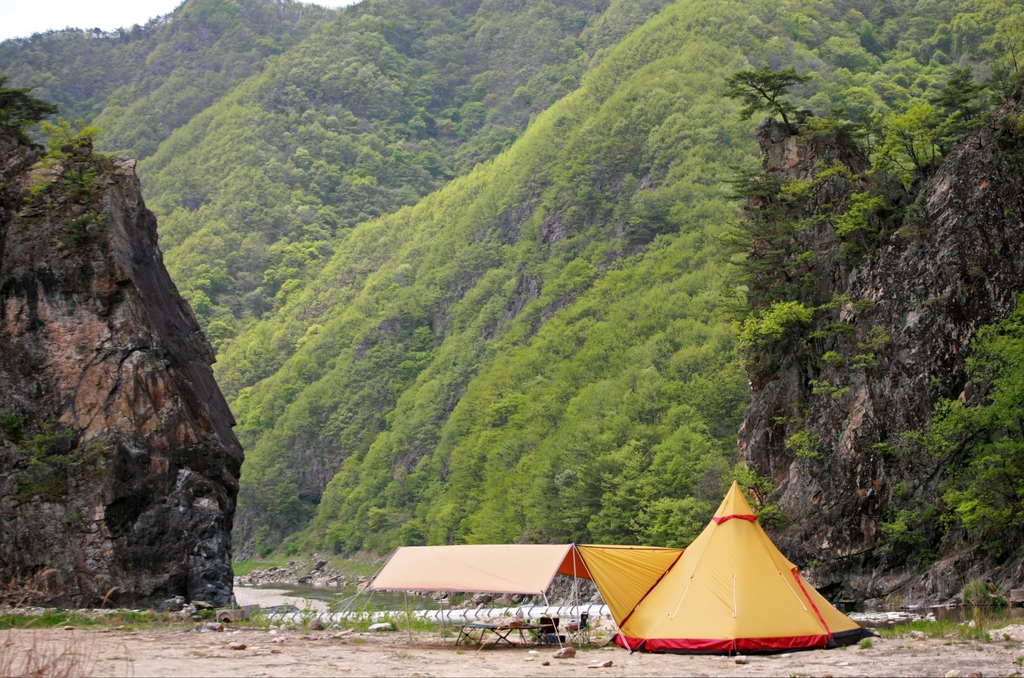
<point x="984" y="443"/>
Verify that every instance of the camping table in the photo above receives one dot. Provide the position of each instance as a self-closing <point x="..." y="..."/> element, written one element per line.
<point x="502" y="631"/>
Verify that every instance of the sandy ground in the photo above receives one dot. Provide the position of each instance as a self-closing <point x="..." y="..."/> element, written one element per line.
<point x="186" y="652"/>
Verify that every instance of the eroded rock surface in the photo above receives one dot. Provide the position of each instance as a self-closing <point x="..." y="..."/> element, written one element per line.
<point x="118" y="466"/>
<point x="898" y="317"/>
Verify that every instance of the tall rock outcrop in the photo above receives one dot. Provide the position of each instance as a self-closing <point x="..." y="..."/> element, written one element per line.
<point x="897" y="293"/>
<point x="118" y="466"/>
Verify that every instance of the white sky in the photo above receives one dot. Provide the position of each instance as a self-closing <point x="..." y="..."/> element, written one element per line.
<point x="22" y="18"/>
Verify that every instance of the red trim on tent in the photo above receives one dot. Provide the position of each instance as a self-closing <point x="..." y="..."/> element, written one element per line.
<point x="719" y="521"/>
<point x="796" y="575"/>
<point x="725" y="646"/>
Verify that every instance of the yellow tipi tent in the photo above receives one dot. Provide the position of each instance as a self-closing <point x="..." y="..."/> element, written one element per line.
<point x="731" y="590"/>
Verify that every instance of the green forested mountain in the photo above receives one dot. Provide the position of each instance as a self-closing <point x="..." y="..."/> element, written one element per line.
<point x="543" y="350"/>
<point x="370" y="113"/>
<point x="467" y="264"/>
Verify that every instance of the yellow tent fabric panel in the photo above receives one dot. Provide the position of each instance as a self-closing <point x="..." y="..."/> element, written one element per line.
<point x="625" y="574"/>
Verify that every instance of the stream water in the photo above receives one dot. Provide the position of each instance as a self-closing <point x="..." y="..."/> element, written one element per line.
<point x="379" y="600"/>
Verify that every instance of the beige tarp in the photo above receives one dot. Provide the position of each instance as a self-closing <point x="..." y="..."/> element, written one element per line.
<point x="489" y="568"/>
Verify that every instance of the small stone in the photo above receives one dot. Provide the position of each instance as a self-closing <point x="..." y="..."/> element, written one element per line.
<point x="742" y="660"/>
<point x="200" y="605"/>
<point x="545" y="663"/>
<point x="315" y="625"/>
<point x="382" y="626"/>
<point x="952" y="673"/>
<point x="69" y="628"/>
<point x="601" y="665"/>
<point x="214" y="626"/>
<point x="275" y="651"/>
<point x="236" y="646"/>
<point x="565" y="653"/>
<point x="976" y="674"/>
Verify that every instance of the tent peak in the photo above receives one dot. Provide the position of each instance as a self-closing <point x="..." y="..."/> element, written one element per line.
<point x="734" y="505"/>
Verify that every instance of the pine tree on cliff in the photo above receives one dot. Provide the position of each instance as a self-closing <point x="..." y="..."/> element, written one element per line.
<point x="763" y="90"/>
<point x="19" y="109"/>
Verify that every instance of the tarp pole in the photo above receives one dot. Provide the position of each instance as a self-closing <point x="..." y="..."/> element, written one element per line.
<point x="408" y="616"/>
<point x="440" y="606"/>
<point x="576" y="598"/>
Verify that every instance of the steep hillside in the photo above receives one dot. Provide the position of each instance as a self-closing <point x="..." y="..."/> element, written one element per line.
<point x="139" y="84"/>
<point x="370" y="113"/>
<point x="543" y="349"/>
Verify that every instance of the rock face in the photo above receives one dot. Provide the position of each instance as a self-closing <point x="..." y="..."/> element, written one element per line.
<point x="118" y="466"/>
<point x="897" y="307"/>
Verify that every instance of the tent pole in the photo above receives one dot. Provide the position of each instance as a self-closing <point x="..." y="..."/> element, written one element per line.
<point x="408" y="616"/>
<point x="576" y="598"/>
<point x="440" y="607"/>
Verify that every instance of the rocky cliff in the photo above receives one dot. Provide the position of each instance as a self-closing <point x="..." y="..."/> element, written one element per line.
<point x="118" y="466"/>
<point x="892" y="290"/>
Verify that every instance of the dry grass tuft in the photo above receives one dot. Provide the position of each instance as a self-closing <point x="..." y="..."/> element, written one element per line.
<point x="71" y="656"/>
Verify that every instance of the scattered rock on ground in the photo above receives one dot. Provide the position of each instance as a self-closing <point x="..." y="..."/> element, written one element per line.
<point x="545" y="663"/>
<point x="172" y="604"/>
<point x="565" y="653"/>
<point x="215" y="626"/>
<point x="315" y="625"/>
<point x="742" y="660"/>
<point x="237" y="646"/>
<point x="603" y="665"/>
<point x="382" y="626"/>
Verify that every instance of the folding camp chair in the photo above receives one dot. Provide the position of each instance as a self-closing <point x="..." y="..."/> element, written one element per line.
<point x="548" y="631"/>
<point x="579" y="629"/>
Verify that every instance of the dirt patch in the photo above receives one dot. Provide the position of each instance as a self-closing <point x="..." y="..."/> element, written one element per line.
<point x="186" y="652"/>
